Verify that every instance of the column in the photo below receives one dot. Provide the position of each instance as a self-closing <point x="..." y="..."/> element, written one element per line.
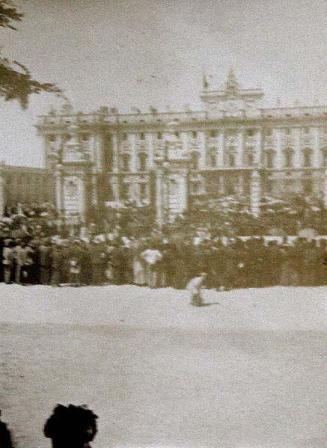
<point x="133" y="152"/>
<point x="159" y="197"/>
<point x="94" y="191"/>
<point x="255" y="193"/>
<point x="297" y="148"/>
<point x="2" y="191"/>
<point x="221" y="145"/>
<point x="202" y="149"/>
<point x="240" y="187"/>
<point x="59" y="188"/>
<point x="184" y="142"/>
<point x="83" y="197"/>
<point x="316" y="150"/>
<point x="98" y="152"/>
<point x="240" y="150"/>
<point x="222" y="184"/>
<point x="277" y="137"/>
<point x="184" y="191"/>
<point x="115" y="188"/>
<point x="135" y="191"/>
<point x="115" y="152"/>
<point x="325" y="189"/>
<point x="151" y="149"/>
<point x="258" y="155"/>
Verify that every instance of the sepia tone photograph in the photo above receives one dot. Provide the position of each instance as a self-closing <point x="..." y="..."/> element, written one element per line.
<point x="163" y="224"/>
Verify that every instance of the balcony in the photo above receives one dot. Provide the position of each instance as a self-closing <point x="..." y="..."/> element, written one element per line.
<point x="141" y="145"/>
<point x="125" y="146"/>
<point x="250" y="141"/>
<point x="307" y="140"/>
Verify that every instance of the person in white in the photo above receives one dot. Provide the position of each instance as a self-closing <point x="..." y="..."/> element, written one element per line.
<point x="194" y="286"/>
<point x="151" y="258"/>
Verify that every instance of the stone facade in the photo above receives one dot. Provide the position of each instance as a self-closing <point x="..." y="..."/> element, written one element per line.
<point x="24" y="185"/>
<point x="233" y="145"/>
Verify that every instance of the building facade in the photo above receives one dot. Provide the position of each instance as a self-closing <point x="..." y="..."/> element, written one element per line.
<point x="24" y="185"/>
<point x="232" y="146"/>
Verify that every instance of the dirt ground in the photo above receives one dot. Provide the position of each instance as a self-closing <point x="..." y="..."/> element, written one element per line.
<point x="247" y="372"/>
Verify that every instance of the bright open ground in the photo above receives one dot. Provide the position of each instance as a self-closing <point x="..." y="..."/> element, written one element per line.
<point x="248" y="372"/>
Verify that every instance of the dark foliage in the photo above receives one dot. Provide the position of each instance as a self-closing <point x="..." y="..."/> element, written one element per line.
<point x="16" y="81"/>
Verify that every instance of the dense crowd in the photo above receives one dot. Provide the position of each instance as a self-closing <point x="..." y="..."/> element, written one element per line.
<point x="160" y="261"/>
<point x="36" y="248"/>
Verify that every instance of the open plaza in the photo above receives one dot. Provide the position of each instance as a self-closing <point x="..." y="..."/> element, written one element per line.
<point x="246" y="371"/>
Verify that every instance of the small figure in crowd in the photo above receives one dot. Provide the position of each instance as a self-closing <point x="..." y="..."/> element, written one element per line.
<point x="71" y="426"/>
<point x="194" y="286"/>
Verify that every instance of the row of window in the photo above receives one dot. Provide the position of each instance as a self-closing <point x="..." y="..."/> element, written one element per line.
<point x="84" y="137"/>
<point x="230" y="160"/>
<point x="66" y="137"/>
<point x="126" y="191"/>
<point x="230" y="186"/>
<point x="289" y="157"/>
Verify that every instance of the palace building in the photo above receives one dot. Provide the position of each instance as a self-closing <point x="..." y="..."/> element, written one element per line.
<point x="166" y="159"/>
<point x="24" y="185"/>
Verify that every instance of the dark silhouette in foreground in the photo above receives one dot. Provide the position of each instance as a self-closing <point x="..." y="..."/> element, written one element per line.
<point x="5" y="436"/>
<point x="71" y="426"/>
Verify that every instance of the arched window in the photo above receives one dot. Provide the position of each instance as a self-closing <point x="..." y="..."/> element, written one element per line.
<point x="231" y="160"/>
<point x="196" y="187"/>
<point x="195" y="160"/>
<point x="125" y="191"/>
<point x="72" y="189"/>
<point x="324" y="156"/>
<point x="288" y="157"/>
<point x="143" y="192"/>
<point x="212" y="158"/>
<point x="125" y="162"/>
<point x="307" y="186"/>
<point x="270" y="158"/>
<point x="85" y="137"/>
<point x="142" y="161"/>
<point x="52" y="138"/>
<point x="307" y="157"/>
<point x="250" y="159"/>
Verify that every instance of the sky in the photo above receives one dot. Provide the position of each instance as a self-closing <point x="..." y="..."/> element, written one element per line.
<point x="137" y="53"/>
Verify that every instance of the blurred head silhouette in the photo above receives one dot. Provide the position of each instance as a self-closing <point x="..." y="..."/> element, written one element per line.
<point x="71" y="426"/>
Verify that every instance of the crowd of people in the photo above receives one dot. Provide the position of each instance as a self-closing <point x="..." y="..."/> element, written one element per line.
<point x="160" y="261"/>
<point x="36" y="249"/>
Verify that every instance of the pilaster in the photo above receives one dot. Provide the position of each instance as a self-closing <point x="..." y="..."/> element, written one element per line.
<point x="297" y="148"/>
<point x="240" y="149"/>
<point x="325" y="189"/>
<point x="202" y="149"/>
<point x="115" y="150"/>
<point x="316" y="156"/>
<point x="255" y="193"/>
<point x="2" y="189"/>
<point x="133" y="152"/>
<point x="151" y="149"/>
<point x="159" y="197"/>
<point x="221" y="149"/>
<point x="59" y="188"/>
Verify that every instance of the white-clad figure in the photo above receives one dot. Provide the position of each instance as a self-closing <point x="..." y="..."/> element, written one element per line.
<point x="194" y="286"/>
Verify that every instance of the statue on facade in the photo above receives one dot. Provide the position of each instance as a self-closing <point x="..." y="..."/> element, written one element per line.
<point x="232" y="86"/>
